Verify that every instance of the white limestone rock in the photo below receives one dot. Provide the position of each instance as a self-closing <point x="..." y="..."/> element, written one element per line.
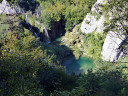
<point x="5" y="8"/>
<point x="90" y="24"/>
<point x="93" y="21"/>
<point x="111" y="50"/>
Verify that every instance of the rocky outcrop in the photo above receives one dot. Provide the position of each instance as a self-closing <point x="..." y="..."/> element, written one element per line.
<point x="44" y="35"/>
<point x="5" y="8"/>
<point x="94" y="21"/>
<point x="111" y="50"/>
<point x="37" y="28"/>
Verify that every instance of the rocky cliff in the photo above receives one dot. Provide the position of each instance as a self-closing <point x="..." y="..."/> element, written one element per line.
<point x="7" y="9"/>
<point x="111" y="50"/>
<point x="38" y="28"/>
<point x="94" y="22"/>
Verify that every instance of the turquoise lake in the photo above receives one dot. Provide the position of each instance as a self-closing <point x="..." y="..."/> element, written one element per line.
<point x="77" y="66"/>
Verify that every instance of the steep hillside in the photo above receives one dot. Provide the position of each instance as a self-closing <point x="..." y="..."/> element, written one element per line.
<point x="105" y="20"/>
<point x="35" y="62"/>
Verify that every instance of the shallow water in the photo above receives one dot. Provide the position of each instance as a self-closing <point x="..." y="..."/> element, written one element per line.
<point x="78" y="66"/>
<point x="58" y="39"/>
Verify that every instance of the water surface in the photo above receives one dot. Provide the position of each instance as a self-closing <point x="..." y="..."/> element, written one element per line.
<point x="78" y="66"/>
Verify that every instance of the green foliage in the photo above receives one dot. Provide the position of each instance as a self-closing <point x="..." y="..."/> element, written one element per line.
<point x="93" y="43"/>
<point x="57" y="50"/>
<point x="100" y="64"/>
<point x="100" y="83"/>
<point x="115" y="8"/>
<point x="4" y="32"/>
<point x="123" y="63"/>
<point x="71" y="11"/>
<point x="25" y="64"/>
<point x="20" y="61"/>
<point x="30" y="68"/>
<point x="56" y="79"/>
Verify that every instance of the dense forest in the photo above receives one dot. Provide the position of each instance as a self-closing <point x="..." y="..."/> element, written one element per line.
<point x="32" y="66"/>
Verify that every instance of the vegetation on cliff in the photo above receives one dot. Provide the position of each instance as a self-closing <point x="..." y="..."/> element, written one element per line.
<point x="29" y="67"/>
<point x="71" y="11"/>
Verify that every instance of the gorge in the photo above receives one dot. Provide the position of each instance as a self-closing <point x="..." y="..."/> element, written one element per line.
<point x="92" y="23"/>
<point x="63" y="47"/>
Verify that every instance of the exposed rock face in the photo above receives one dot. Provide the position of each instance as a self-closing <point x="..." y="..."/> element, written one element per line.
<point x="111" y="50"/>
<point x="5" y="8"/>
<point x="38" y="29"/>
<point x="93" y="25"/>
<point x="93" y="21"/>
<point x="45" y="35"/>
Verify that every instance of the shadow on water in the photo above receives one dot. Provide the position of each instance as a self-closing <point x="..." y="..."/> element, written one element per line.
<point x="77" y="66"/>
<point x="82" y="65"/>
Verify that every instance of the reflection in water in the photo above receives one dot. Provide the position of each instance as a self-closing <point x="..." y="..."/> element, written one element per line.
<point x="77" y="66"/>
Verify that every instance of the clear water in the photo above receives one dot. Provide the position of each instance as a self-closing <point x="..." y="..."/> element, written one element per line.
<point x="78" y="66"/>
<point x="58" y="39"/>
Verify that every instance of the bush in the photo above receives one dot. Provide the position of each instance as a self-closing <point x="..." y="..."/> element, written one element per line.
<point x="71" y="11"/>
<point x="93" y="43"/>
